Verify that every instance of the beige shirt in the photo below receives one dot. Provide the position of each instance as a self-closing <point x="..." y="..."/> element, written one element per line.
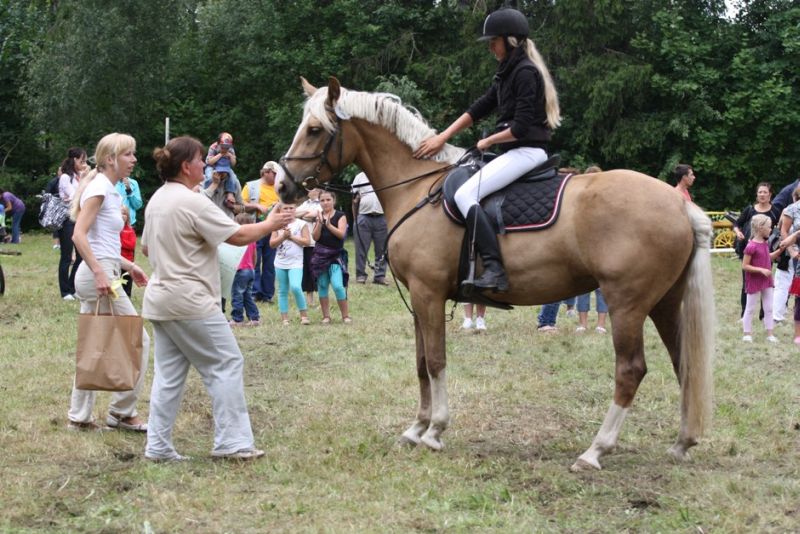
<point x="182" y="231"/>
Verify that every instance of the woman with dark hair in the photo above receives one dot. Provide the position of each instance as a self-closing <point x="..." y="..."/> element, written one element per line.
<point x="72" y="168"/>
<point x="328" y="266"/>
<point x="762" y="206"/>
<point x="16" y="208"/>
<point x="182" y="301"/>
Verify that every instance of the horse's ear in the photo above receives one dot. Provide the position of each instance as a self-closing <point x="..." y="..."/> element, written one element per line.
<point x="307" y="87"/>
<point x="334" y="90"/>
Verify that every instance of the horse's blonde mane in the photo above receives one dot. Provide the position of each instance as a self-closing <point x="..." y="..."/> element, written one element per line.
<point x="383" y="109"/>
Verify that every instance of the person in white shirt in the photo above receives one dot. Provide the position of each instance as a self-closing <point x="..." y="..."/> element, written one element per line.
<point x="370" y="228"/>
<point x="97" y="212"/>
<point x="72" y="168"/>
<point x="289" y="242"/>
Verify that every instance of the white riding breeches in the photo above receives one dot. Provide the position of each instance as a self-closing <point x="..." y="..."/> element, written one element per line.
<point x="497" y="174"/>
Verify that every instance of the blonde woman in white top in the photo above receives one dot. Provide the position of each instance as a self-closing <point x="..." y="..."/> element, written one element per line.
<point x="96" y="210"/>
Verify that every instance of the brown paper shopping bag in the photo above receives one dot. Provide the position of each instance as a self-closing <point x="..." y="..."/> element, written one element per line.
<point x="109" y="350"/>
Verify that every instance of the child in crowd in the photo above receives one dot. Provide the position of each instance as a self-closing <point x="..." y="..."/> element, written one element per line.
<point x="242" y="291"/>
<point x="475" y="320"/>
<point x="221" y="157"/>
<point x="757" y="267"/>
<point x="289" y="264"/>
<point x="127" y="238"/>
<point x="790" y="244"/>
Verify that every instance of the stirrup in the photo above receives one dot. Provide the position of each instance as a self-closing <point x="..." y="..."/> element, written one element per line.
<point x="497" y="283"/>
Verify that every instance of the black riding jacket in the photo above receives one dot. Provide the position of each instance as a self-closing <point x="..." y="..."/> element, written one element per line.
<point x="517" y="93"/>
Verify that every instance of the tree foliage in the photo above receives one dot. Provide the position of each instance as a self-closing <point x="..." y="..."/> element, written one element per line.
<point x="643" y="84"/>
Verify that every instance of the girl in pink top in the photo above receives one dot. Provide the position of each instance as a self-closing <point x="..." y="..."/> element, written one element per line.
<point x="757" y="267"/>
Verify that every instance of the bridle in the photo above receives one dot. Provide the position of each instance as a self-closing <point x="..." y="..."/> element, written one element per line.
<point x="312" y="182"/>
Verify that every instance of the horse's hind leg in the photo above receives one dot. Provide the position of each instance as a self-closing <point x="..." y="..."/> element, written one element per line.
<point x="666" y="317"/>
<point x="630" y="370"/>
<point x="412" y="436"/>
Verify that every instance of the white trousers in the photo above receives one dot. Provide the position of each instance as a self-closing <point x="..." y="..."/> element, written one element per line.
<point x="207" y="345"/>
<point x="123" y="403"/>
<point x="783" y="281"/>
<point x="497" y="174"/>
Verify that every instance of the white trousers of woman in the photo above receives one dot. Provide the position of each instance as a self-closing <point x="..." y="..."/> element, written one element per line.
<point x="497" y="174"/>
<point x="123" y="403"/>
<point x="207" y="345"/>
<point x="783" y="281"/>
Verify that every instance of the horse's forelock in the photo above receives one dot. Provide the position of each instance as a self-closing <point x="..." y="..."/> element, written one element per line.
<point x="383" y="109"/>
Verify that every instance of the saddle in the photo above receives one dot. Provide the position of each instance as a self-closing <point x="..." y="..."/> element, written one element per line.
<point x="532" y="202"/>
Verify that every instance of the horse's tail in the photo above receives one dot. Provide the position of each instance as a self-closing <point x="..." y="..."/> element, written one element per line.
<point x="697" y="330"/>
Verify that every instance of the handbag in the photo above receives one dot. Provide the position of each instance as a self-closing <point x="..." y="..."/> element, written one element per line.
<point x="109" y="353"/>
<point x="53" y="212"/>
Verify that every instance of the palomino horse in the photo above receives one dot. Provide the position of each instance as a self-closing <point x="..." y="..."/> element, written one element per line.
<point x="633" y="235"/>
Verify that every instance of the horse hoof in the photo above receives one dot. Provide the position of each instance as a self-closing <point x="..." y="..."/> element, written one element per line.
<point x="679" y="453"/>
<point x="432" y="443"/>
<point x="585" y="465"/>
<point x="409" y="441"/>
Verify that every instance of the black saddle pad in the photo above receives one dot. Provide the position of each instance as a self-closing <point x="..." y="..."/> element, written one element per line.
<point x="530" y="203"/>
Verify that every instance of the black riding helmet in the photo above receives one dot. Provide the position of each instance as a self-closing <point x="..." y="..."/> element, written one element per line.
<point x="504" y="23"/>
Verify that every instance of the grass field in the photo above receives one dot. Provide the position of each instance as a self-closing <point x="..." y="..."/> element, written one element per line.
<point x="328" y="402"/>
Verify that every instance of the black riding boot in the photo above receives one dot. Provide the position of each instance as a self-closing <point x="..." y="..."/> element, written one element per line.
<point x="493" y="276"/>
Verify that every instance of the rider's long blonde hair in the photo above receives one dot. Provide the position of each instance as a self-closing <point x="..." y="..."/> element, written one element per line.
<point x="550" y="94"/>
<point x="110" y="146"/>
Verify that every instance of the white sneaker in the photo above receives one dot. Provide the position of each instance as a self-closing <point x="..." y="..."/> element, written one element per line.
<point x="467" y="324"/>
<point x="747" y="338"/>
<point x="772" y="339"/>
<point x="480" y="324"/>
<point x="572" y="312"/>
<point x="69" y="297"/>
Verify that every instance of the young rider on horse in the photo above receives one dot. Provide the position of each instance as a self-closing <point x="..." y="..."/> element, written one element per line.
<point x="526" y="101"/>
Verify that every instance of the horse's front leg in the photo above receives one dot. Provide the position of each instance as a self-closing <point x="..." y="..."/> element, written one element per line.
<point x="430" y="317"/>
<point x="413" y="435"/>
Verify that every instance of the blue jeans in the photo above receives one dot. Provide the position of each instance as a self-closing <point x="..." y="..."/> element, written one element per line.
<point x="583" y="302"/>
<point x="547" y="317"/>
<point x="16" y="221"/>
<point x="264" y="286"/>
<point x="290" y="280"/>
<point x="569" y="302"/>
<point x="242" y="297"/>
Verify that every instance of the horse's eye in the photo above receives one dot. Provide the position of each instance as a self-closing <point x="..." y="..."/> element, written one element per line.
<point x="314" y="130"/>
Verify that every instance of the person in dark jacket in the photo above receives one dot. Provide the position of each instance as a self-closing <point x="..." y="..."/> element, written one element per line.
<point x="524" y="98"/>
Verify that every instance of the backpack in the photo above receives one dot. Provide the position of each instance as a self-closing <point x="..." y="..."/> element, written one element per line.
<point x="53" y="212"/>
